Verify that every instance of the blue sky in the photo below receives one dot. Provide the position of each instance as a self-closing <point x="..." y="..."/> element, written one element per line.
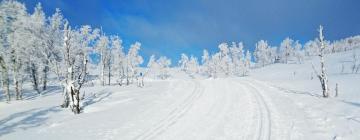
<point x="171" y="27"/>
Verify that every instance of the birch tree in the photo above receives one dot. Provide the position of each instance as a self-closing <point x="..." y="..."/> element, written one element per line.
<point x="133" y="61"/>
<point x="119" y="60"/>
<point x="75" y="51"/>
<point x="286" y="49"/>
<point x="102" y="47"/>
<point x="322" y="75"/>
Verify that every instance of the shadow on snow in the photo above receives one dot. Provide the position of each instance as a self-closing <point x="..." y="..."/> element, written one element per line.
<point x="26" y="119"/>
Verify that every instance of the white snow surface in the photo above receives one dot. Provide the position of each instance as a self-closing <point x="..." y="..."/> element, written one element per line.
<point x="279" y="101"/>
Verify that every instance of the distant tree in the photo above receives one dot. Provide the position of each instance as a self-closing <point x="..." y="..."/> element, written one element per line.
<point x="119" y="58"/>
<point x="299" y="52"/>
<point x="286" y="49"/>
<point x="183" y="62"/>
<point x="205" y="68"/>
<point x="237" y="56"/>
<point x="193" y="66"/>
<point x="261" y="53"/>
<point x="311" y="48"/>
<point x="247" y="62"/>
<point x="164" y="64"/>
<point x="355" y="66"/>
<point x="103" y="49"/>
<point x="152" y="66"/>
<point x="133" y="61"/>
<point x="225" y="58"/>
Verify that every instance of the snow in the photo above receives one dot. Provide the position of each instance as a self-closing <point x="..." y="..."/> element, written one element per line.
<point x="279" y="101"/>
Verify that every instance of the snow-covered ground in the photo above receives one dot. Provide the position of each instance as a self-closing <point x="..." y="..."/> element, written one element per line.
<point x="279" y="101"/>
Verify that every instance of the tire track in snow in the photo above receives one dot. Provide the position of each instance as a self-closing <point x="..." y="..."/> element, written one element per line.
<point x="176" y="113"/>
<point x="263" y="131"/>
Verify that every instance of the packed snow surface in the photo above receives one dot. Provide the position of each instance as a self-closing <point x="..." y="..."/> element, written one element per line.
<point x="279" y="101"/>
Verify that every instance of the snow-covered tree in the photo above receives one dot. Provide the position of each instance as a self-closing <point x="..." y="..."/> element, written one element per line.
<point x="272" y="54"/>
<point x="322" y="75"/>
<point x="51" y="49"/>
<point x="311" y="48"/>
<point x="193" y="66"/>
<point x="103" y="50"/>
<point x="15" y="35"/>
<point x="225" y="59"/>
<point x="299" y="52"/>
<point x="355" y="66"/>
<point x="183" y="62"/>
<point x="247" y="62"/>
<point x="35" y="61"/>
<point x="286" y="49"/>
<point x="237" y="56"/>
<point x="133" y="61"/>
<point x="119" y="58"/>
<point x="205" y="58"/>
<point x="75" y="52"/>
<point x="214" y="65"/>
<point x="261" y="53"/>
<point x="164" y="64"/>
<point x="152" y="67"/>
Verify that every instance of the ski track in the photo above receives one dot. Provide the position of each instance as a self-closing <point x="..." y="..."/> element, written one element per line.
<point x="224" y="103"/>
<point x="263" y="130"/>
<point x="174" y="115"/>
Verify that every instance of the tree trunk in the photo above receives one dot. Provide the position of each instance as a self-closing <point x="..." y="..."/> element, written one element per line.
<point x="336" y="90"/>
<point x="75" y="98"/>
<point x="34" y="78"/>
<point x="103" y="74"/>
<point x="109" y="74"/>
<point x="66" y="101"/>
<point x="6" y="84"/>
<point x="16" y="83"/>
<point x="45" y="76"/>
<point x="5" y="78"/>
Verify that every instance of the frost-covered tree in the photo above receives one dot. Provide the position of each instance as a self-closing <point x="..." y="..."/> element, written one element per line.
<point x="261" y="53"/>
<point x="247" y="62"/>
<point x="214" y="65"/>
<point x="133" y="61"/>
<point x="205" y="58"/>
<point x="103" y="50"/>
<point x="355" y="66"/>
<point x="164" y="64"/>
<point x="237" y="56"/>
<point x="51" y="49"/>
<point x="286" y="49"/>
<point x="76" y="60"/>
<point x="15" y="34"/>
<point x="36" y="27"/>
<point x="299" y="52"/>
<point x="322" y="75"/>
<point x="272" y="54"/>
<point x="225" y="62"/>
<point x="311" y="48"/>
<point x="119" y="59"/>
<point x="152" y="67"/>
<point x="193" y="66"/>
<point x="183" y="62"/>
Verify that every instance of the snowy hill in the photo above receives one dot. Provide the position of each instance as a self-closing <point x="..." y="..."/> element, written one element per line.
<point x="279" y="101"/>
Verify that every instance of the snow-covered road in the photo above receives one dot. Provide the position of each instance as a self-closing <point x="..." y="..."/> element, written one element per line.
<point x="223" y="108"/>
<point x="220" y="109"/>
